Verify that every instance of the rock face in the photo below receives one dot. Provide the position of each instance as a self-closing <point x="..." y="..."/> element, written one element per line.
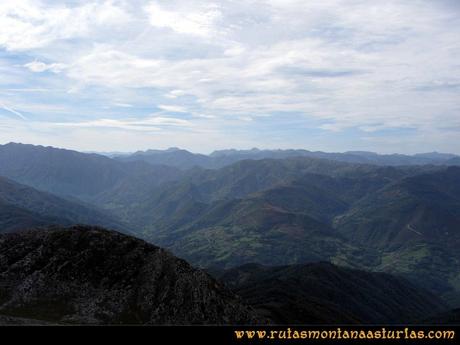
<point x="88" y="275"/>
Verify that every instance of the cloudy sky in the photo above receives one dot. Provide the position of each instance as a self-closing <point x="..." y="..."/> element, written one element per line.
<point x="330" y="75"/>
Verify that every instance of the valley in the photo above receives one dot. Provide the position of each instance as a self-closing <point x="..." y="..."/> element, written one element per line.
<point x="260" y="220"/>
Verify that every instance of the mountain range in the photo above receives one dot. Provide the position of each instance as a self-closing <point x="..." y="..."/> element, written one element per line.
<point x="184" y="159"/>
<point x="88" y="275"/>
<point x="389" y="219"/>
<point x="71" y="173"/>
<point x="23" y="207"/>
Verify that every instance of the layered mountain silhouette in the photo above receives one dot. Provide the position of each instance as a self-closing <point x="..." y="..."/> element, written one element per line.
<point x="71" y="173"/>
<point x="422" y="208"/>
<point x="378" y="213"/>
<point x="184" y="159"/>
<point x="23" y="207"/>
<point x="415" y="222"/>
<point x="453" y="161"/>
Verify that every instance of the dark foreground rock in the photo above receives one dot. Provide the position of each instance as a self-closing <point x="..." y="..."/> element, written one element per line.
<point x="319" y="293"/>
<point x="88" y="275"/>
<point x="451" y="317"/>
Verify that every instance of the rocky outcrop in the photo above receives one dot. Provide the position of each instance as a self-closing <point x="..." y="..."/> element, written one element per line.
<point x="88" y="275"/>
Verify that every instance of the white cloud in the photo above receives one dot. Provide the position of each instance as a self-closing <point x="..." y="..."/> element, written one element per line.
<point x="175" y="94"/>
<point x="114" y="68"/>
<point x="145" y="124"/>
<point x="185" y="19"/>
<point x="30" y="24"/>
<point x="234" y="50"/>
<point x="38" y="66"/>
<point x="173" y="108"/>
<point x="123" y="105"/>
<point x="338" y="63"/>
<point x="29" y="90"/>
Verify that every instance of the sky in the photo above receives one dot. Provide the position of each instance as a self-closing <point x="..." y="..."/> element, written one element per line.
<point x="330" y="75"/>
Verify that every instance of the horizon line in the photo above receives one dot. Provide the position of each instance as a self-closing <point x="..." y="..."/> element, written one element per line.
<point x="115" y="152"/>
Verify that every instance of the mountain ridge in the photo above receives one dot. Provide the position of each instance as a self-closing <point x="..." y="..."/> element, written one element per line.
<point x="89" y="275"/>
<point x="396" y="219"/>
<point x="23" y="207"/>
<point x="217" y="159"/>
<point x="69" y="173"/>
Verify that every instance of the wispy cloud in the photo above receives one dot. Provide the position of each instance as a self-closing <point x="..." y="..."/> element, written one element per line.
<point x="123" y="105"/>
<point x="38" y="67"/>
<point x="31" y="24"/>
<point x="146" y="124"/>
<point x="173" y="108"/>
<point x="12" y="111"/>
<point x="189" y="19"/>
<point x="335" y="69"/>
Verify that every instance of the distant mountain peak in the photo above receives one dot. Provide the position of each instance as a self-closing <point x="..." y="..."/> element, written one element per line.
<point x="370" y="153"/>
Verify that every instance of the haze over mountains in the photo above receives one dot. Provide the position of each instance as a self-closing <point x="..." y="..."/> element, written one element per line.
<point x="70" y="173"/>
<point x="289" y="209"/>
<point x="23" y="207"/>
<point x="184" y="159"/>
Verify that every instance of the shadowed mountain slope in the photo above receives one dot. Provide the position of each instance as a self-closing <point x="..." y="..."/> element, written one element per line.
<point x="23" y="207"/>
<point x="324" y="293"/>
<point x="421" y="208"/>
<point x="87" y="275"/>
<point x="414" y="223"/>
<point x="70" y="173"/>
<point x="451" y="317"/>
